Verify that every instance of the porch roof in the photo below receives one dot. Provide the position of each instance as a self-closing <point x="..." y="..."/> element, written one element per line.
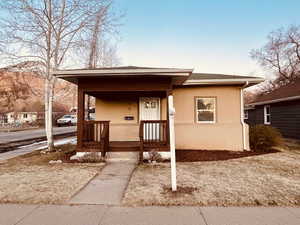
<point x="178" y="75"/>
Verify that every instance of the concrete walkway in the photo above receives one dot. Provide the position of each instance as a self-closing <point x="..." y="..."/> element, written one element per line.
<point x="108" y="187"/>
<point x="111" y="215"/>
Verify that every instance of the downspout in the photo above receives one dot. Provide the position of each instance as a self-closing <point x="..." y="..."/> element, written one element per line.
<point x="242" y="116"/>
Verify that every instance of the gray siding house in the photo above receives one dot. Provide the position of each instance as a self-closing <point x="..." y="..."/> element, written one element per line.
<point x="279" y="108"/>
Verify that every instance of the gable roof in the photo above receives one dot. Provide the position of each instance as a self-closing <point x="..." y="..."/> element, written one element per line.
<point x="290" y="91"/>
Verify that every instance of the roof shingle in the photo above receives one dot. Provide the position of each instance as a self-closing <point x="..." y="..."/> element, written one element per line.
<point x="289" y="90"/>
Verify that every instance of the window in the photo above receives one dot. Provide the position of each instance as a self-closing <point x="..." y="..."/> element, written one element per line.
<point x="205" y="110"/>
<point x="25" y="115"/>
<point x="245" y="114"/>
<point x="267" y="114"/>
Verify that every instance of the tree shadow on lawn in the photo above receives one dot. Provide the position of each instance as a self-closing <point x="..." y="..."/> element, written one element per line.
<point x="216" y="155"/>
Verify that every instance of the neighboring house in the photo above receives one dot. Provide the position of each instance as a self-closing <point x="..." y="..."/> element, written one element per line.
<point x="135" y="107"/>
<point x="21" y="117"/>
<point x="3" y="119"/>
<point x="279" y="108"/>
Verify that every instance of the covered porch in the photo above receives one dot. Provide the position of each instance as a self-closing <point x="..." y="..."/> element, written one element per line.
<point x="124" y="121"/>
<point x="132" y="113"/>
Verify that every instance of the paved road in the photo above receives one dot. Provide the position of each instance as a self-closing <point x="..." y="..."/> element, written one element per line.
<point x="11" y="214"/>
<point x="32" y="147"/>
<point x="6" y="137"/>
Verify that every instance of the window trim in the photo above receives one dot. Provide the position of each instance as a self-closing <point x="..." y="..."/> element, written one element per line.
<point x="215" y="110"/>
<point x="267" y="114"/>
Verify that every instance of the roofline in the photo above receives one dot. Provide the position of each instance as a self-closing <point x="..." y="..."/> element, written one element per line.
<point x="95" y="72"/>
<point x="224" y="81"/>
<point x="275" y="101"/>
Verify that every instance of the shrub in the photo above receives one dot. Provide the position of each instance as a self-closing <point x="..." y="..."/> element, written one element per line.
<point x="263" y="138"/>
<point x="155" y="156"/>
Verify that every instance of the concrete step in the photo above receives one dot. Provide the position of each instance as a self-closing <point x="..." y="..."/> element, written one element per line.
<point x="122" y="156"/>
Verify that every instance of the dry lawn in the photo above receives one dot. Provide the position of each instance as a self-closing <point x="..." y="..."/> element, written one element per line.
<point x="31" y="179"/>
<point x="270" y="179"/>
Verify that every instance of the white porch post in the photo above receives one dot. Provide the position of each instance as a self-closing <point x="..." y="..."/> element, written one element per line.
<point x="172" y="142"/>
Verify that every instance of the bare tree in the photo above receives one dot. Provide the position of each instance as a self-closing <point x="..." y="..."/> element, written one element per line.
<point x="49" y="31"/>
<point x="281" y="55"/>
<point x="100" y="52"/>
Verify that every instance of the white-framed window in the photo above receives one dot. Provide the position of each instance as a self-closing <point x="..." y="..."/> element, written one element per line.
<point x="246" y="114"/>
<point x="267" y="114"/>
<point x="205" y="109"/>
<point x="25" y="116"/>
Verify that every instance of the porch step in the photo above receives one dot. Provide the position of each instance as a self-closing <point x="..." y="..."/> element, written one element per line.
<point x="122" y="156"/>
<point x="124" y="146"/>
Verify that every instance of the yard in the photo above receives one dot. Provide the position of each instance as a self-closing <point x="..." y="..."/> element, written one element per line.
<point x="265" y="179"/>
<point x="31" y="179"/>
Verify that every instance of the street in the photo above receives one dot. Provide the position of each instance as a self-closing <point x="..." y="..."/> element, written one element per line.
<point x="8" y="137"/>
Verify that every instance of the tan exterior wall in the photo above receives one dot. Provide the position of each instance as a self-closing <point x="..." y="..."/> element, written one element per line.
<point x="115" y="111"/>
<point x="225" y="134"/>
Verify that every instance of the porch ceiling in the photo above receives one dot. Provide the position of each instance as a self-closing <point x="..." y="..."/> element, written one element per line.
<point x="127" y="94"/>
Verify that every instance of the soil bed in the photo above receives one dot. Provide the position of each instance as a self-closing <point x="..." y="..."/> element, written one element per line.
<point x="217" y="155"/>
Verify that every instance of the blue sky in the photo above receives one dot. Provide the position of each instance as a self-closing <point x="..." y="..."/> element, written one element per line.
<point x="209" y="36"/>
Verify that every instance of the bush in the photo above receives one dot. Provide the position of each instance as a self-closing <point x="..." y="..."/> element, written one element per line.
<point x="155" y="156"/>
<point x="263" y="138"/>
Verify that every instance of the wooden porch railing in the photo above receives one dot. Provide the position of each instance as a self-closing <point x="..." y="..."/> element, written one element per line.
<point x="153" y="134"/>
<point x="96" y="136"/>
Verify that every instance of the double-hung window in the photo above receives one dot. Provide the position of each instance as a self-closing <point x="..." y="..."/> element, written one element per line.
<point x="245" y="114"/>
<point x="267" y="115"/>
<point x="205" y="110"/>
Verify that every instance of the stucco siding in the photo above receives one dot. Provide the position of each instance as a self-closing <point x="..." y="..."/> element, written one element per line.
<point x="226" y="133"/>
<point x="115" y="111"/>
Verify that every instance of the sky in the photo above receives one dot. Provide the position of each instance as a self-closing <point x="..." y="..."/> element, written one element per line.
<point x="211" y="36"/>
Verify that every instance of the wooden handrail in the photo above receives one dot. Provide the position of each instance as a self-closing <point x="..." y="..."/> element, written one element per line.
<point x="95" y="133"/>
<point x="153" y="133"/>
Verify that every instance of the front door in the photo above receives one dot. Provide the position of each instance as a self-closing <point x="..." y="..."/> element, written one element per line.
<point x="150" y="110"/>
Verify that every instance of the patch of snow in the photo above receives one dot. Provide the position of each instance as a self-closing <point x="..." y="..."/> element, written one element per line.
<point x="164" y="155"/>
<point x="78" y="155"/>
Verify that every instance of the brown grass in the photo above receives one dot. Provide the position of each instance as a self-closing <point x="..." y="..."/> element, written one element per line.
<point x="269" y="179"/>
<point x="31" y="179"/>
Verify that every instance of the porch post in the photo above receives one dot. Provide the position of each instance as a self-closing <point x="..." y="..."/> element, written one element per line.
<point x="171" y="114"/>
<point x="80" y="117"/>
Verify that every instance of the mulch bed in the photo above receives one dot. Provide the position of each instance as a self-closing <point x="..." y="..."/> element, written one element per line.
<point x="214" y="155"/>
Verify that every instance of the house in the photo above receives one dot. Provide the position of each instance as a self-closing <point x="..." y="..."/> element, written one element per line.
<point x="279" y="108"/>
<point x="135" y="107"/>
<point x="21" y="117"/>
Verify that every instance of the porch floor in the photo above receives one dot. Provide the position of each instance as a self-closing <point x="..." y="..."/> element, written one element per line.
<point x="125" y="146"/>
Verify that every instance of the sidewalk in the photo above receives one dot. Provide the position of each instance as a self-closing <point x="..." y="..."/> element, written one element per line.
<point x="11" y="214"/>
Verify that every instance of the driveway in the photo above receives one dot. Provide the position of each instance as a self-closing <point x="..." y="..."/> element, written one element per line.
<point x="111" y="215"/>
